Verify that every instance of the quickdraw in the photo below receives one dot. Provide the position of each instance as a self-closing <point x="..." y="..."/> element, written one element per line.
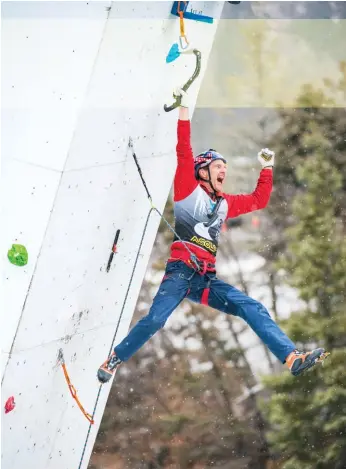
<point x="189" y="81"/>
<point x="72" y="389"/>
<point x="182" y="27"/>
<point x="114" y="250"/>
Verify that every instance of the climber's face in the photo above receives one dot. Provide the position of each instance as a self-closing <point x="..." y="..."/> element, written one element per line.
<point x="218" y="172"/>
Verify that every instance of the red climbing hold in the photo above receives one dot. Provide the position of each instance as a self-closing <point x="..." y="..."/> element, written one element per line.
<point x="10" y="405"/>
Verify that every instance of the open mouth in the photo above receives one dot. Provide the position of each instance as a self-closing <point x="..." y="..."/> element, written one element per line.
<point x="220" y="179"/>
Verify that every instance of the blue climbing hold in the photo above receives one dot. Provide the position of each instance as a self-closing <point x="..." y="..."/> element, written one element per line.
<point x="173" y="53"/>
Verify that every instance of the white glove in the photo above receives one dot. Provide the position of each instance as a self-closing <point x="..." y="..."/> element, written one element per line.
<point x="266" y="157"/>
<point x="184" y="97"/>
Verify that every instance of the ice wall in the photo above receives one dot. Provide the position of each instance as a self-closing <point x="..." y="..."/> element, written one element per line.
<point x="79" y="79"/>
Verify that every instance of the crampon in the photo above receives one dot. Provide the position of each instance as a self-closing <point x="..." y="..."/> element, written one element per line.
<point x="298" y="362"/>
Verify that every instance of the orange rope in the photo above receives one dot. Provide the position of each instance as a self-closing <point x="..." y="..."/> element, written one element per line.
<point x="74" y="392"/>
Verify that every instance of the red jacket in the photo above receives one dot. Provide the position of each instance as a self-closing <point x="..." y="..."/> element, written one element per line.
<point x="192" y="204"/>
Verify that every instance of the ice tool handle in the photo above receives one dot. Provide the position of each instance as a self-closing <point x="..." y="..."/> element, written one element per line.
<point x="190" y="80"/>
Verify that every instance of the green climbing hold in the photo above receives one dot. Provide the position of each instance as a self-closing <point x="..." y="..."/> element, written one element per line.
<point x="18" y="255"/>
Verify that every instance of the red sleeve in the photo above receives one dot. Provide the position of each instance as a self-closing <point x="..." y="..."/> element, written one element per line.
<point x="245" y="203"/>
<point x="184" y="180"/>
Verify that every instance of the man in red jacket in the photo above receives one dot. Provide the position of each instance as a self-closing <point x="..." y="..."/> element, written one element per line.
<point x="200" y="209"/>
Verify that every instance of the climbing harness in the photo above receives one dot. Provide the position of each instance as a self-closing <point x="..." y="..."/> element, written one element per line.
<point x="205" y="267"/>
<point x="72" y="389"/>
<point x="189" y="81"/>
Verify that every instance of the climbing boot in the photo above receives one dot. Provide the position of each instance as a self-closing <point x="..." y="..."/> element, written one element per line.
<point x="107" y="369"/>
<point x="298" y="362"/>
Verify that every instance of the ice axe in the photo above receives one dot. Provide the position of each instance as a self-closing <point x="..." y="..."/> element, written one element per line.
<point x="172" y="55"/>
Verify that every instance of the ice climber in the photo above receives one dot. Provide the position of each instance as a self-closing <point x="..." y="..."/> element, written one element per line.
<point x="200" y="209"/>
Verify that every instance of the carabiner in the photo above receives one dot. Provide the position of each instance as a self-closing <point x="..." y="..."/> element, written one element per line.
<point x="181" y="42"/>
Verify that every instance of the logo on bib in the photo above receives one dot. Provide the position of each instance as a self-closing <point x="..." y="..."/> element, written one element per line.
<point x="204" y="243"/>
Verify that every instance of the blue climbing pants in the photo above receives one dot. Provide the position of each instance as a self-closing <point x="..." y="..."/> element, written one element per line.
<point x="179" y="282"/>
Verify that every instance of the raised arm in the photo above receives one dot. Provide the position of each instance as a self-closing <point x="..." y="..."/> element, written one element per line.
<point x="259" y="198"/>
<point x="245" y="203"/>
<point x="184" y="180"/>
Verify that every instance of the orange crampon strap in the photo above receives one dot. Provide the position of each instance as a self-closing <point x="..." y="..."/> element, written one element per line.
<point x="72" y="388"/>
<point x="182" y="27"/>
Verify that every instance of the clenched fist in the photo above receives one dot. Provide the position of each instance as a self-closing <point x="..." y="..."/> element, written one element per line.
<point x="266" y="158"/>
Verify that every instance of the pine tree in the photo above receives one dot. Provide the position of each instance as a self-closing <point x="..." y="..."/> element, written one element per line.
<point x="307" y="413"/>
